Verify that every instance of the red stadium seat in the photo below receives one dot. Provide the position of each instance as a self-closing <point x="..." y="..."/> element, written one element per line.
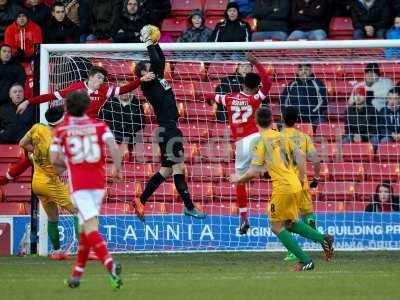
<point x="365" y="190"/>
<point x="212" y="21"/>
<point x="124" y="191"/>
<point x="225" y="191"/>
<point x="221" y="131"/>
<point x="328" y="71"/>
<point x="174" y="26"/>
<point x="329" y="131"/>
<point x="10" y="153"/>
<point x="382" y="171"/>
<point x="336" y="110"/>
<point x="324" y="173"/>
<point x="337" y="191"/>
<point x="147" y="152"/>
<point x="216" y="152"/>
<point x="327" y="152"/>
<point x="340" y="88"/>
<point x="219" y="70"/>
<point x="184" y="8"/>
<point x="15" y="208"/>
<point x="285" y="72"/>
<point x="165" y="192"/>
<point x="215" y="7"/>
<point x="305" y="128"/>
<point x="191" y="152"/>
<point x="260" y="190"/>
<point x="388" y="152"/>
<point x="184" y="91"/>
<point x="252" y="22"/>
<point x="357" y="152"/>
<point x="201" y="191"/>
<point x="195" y="131"/>
<point x="197" y="111"/>
<point x="355" y="206"/>
<point x="341" y="26"/>
<point x="189" y="71"/>
<point x="347" y="172"/>
<point x="17" y="192"/>
<point x="135" y="171"/>
<point x="205" y="172"/>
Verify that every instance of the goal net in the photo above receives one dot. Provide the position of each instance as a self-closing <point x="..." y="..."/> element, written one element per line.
<point x="338" y="87"/>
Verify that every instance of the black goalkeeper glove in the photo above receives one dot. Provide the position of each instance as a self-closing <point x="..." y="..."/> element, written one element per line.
<point x="314" y="182"/>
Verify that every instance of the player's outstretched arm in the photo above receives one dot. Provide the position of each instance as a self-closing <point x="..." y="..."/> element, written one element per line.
<point x="135" y="84"/>
<point x="251" y="173"/>
<point x="116" y="156"/>
<point x="316" y="161"/>
<point x="266" y="80"/>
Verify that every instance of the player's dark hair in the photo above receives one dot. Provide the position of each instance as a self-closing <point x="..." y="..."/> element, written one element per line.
<point x="16" y="84"/>
<point x="140" y="66"/>
<point x="252" y="80"/>
<point x="96" y="69"/>
<point x="54" y="114"/>
<point x="373" y="67"/>
<point x="290" y="115"/>
<point x="264" y="117"/>
<point x="57" y="3"/>
<point x="77" y="103"/>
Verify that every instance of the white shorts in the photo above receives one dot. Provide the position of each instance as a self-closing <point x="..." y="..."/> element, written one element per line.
<point x="244" y="152"/>
<point x="88" y="203"/>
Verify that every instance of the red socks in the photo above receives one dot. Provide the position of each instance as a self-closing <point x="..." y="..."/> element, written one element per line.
<point x="99" y="246"/>
<point x="81" y="257"/>
<point x="241" y="200"/>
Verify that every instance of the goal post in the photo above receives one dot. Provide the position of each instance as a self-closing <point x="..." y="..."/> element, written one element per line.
<point x="350" y="172"/>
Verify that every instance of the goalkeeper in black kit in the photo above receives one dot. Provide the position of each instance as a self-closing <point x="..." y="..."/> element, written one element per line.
<point x="159" y="94"/>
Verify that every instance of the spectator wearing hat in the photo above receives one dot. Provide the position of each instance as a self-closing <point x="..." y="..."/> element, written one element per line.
<point x="60" y="28"/>
<point x="308" y="94"/>
<point x="272" y="20"/>
<point x="22" y="36"/>
<point x="197" y="33"/>
<point x="389" y="118"/>
<point x="360" y="118"/>
<point x="384" y="199"/>
<point x="309" y="19"/>
<point x="232" y="29"/>
<point x="8" y="13"/>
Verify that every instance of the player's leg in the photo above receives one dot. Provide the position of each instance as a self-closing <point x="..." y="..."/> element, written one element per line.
<point x="53" y="233"/>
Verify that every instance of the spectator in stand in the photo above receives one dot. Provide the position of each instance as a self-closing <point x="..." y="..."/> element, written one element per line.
<point x="308" y="94"/>
<point x="230" y="84"/>
<point x="380" y="86"/>
<point x="389" y="118"/>
<point x="393" y="34"/>
<point x="342" y="8"/>
<point x="384" y="199"/>
<point x="13" y="126"/>
<point x="309" y="19"/>
<point x="155" y="10"/>
<point x="10" y="73"/>
<point x="272" y="20"/>
<point x="232" y="29"/>
<point x="127" y="26"/>
<point x="8" y="13"/>
<point x="125" y="117"/>
<point x="197" y="33"/>
<point x="22" y="36"/>
<point x="102" y="15"/>
<point x="38" y="12"/>
<point x="60" y="28"/>
<point x="370" y="18"/>
<point x="360" y="118"/>
<point x="246" y="7"/>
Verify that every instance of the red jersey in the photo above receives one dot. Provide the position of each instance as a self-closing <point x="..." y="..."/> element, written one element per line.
<point x="242" y="108"/>
<point x="82" y="142"/>
<point x="97" y="98"/>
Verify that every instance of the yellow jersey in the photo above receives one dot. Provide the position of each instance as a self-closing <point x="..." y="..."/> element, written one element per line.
<point x="274" y="153"/>
<point x="41" y="136"/>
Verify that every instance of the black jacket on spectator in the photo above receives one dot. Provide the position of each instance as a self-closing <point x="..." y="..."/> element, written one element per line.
<point x="10" y="73"/>
<point x="272" y="15"/>
<point x="40" y="14"/>
<point x="309" y="16"/>
<point x="102" y="16"/>
<point x="7" y="16"/>
<point x="361" y="121"/>
<point x="12" y="126"/>
<point x="155" y="10"/>
<point x="61" y="32"/>
<point x="341" y="8"/>
<point x="309" y="96"/>
<point x="388" y="122"/>
<point x="377" y="16"/>
<point x="123" y="120"/>
<point x="126" y="28"/>
<point x="228" y="31"/>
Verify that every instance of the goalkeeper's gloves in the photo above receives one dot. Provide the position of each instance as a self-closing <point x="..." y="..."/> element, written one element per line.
<point x="314" y="182"/>
<point x="145" y="34"/>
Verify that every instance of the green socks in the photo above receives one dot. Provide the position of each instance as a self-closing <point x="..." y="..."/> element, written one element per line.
<point x="306" y="231"/>
<point x="291" y="244"/>
<point x="54" y="234"/>
<point x="310" y="220"/>
<point x="76" y="228"/>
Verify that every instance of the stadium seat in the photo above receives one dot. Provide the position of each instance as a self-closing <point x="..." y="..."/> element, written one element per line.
<point x="184" y="8"/>
<point x="340" y="88"/>
<point x="225" y="191"/>
<point x="184" y="91"/>
<point x="15" y="208"/>
<point x="220" y="131"/>
<point x="323" y="207"/>
<point x="259" y="190"/>
<point x="328" y="71"/>
<point x="388" y="152"/>
<point x="329" y="131"/>
<point x="10" y="153"/>
<point x="212" y="21"/>
<point x="146" y="152"/>
<point x="199" y="111"/>
<point x="252" y="22"/>
<point x="24" y="177"/>
<point x="327" y="152"/>
<point x="195" y="131"/>
<point x="205" y="172"/>
<point x="189" y="71"/>
<point x="365" y="190"/>
<point x="324" y="173"/>
<point x="165" y="192"/>
<point x="340" y="26"/>
<point x="215" y="7"/>
<point x="124" y="191"/>
<point x="220" y="70"/>
<point x="357" y="152"/>
<point x="174" y="26"/>
<point x="216" y="152"/>
<point x="347" y="172"/>
<point x="336" y="110"/>
<point x="201" y="191"/>
<point x="337" y="191"/>
<point x="191" y="152"/>
<point x="305" y="128"/>
<point x="354" y="206"/>
<point x="117" y="208"/>
<point x="285" y="72"/>
<point x="203" y="88"/>
<point x="382" y="171"/>
<point x="135" y="171"/>
<point x="17" y="192"/>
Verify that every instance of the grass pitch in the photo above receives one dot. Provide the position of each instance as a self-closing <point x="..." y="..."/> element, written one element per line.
<point x="355" y="275"/>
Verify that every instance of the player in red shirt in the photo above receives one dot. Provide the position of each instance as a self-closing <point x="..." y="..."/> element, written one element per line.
<point x="241" y="107"/>
<point x="78" y="146"/>
<point x="98" y="91"/>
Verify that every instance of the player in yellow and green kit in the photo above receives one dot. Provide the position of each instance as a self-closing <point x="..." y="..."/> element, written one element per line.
<point x="46" y="184"/>
<point x="303" y="141"/>
<point x="274" y="153"/>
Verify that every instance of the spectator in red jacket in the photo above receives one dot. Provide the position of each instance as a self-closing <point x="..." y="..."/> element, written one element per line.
<point x="22" y="35"/>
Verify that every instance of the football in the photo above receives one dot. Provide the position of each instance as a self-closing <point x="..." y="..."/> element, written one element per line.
<point x="150" y="33"/>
